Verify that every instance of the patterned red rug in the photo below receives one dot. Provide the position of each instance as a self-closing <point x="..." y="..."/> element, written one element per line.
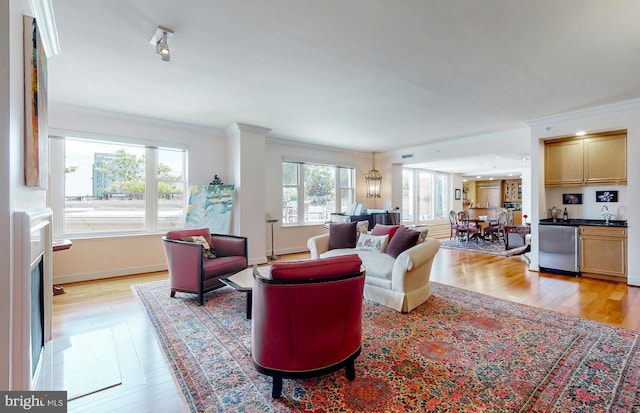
<point x="459" y="352"/>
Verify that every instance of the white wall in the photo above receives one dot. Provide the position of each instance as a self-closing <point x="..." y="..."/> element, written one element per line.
<point x="15" y="195"/>
<point x="623" y="115"/>
<point x="247" y="165"/>
<point x="589" y="209"/>
<point x="95" y="258"/>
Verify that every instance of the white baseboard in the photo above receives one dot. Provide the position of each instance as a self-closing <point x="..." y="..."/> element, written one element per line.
<point x="112" y="273"/>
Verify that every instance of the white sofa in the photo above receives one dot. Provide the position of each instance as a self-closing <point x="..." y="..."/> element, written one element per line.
<point x="400" y="283"/>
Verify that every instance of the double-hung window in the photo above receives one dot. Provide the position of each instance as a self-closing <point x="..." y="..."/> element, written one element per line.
<point x="111" y="187"/>
<point x="312" y="191"/>
<point x="424" y="196"/>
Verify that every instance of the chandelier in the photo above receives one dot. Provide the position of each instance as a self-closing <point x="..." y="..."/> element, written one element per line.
<point x="373" y="180"/>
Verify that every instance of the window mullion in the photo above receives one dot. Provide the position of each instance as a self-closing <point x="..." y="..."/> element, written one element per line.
<point x="151" y="189"/>
<point x="301" y="194"/>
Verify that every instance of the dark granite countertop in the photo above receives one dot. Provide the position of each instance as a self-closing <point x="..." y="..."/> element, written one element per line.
<point x="579" y="222"/>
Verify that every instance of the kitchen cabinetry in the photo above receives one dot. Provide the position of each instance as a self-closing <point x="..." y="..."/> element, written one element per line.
<point x="512" y="190"/>
<point x="595" y="160"/>
<point x="603" y="252"/>
<point x="489" y="194"/>
<point x="563" y="163"/>
<point x="605" y="160"/>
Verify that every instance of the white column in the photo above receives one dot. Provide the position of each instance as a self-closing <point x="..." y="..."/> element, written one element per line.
<point x="247" y="167"/>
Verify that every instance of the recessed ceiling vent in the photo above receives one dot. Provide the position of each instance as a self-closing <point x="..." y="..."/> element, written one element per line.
<point x="409" y="155"/>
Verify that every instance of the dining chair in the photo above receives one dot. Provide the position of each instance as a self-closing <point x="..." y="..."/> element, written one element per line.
<point x="453" y="221"/>
<point x="497" y="231"/>
<point x="465" y="230"/>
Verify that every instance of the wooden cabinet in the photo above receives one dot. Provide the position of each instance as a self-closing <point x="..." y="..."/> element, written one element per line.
<point x="512" y="190"/>
<point x="563" y="163"/>
<point x="603" y="252"/>
<point x="489" y="194"/>
<point x="517" y="218"/>
<point x="595" y="160"/>
<point x="605" y="160"/>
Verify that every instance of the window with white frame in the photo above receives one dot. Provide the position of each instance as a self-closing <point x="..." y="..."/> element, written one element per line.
<point x="111" y="187"/>
<point x="311" y="192"/>
<point x="424" y="196"/>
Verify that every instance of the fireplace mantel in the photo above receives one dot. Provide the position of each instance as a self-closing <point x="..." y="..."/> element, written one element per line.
<point x="32" y="242"/>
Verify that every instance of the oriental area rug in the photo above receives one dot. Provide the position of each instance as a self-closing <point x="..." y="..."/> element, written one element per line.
<point x="490" y="248"/>
<point x="459" y="352"/>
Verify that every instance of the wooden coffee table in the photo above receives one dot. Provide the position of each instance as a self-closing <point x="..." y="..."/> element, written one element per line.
<point x="242" y="281"/>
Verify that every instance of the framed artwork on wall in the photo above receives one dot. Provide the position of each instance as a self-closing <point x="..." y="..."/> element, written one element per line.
<point x="458" y="194"/>
<point x="571" y="199"/>
<point x="606" y="196"/>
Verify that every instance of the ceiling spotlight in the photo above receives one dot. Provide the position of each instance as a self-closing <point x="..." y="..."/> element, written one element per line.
<point x="581" y="133"/>
<point x="160" y="39"/>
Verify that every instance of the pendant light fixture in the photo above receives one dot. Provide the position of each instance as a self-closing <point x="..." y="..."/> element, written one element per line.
<point x="373" y="180"/>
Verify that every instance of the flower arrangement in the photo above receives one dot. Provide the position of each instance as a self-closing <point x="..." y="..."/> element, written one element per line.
<point x="525" y="216"/>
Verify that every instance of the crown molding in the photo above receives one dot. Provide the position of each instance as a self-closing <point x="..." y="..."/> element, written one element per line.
<point x="43" y="12"/>
<point x="468" y="140"/>
<point x="583" y="113"/>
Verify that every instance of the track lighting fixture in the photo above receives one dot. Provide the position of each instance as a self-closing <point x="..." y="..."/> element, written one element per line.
<point x="160" y="39"/>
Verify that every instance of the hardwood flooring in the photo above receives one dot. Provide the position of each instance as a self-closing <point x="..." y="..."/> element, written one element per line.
<point x="147" y="383"/>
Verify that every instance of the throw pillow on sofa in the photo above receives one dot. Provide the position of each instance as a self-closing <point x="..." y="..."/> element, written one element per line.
<point x="424" y="232"/>
<point x="403" y="239"/>
<point x="382" y="229"/>
<point x="368" y="242"/>
<point x="342" y="235"/>
<point x="362" y="227"/>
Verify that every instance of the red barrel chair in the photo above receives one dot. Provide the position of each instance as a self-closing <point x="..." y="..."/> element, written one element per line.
<point x="192" y="269"/>
<point x="307" y="319"/>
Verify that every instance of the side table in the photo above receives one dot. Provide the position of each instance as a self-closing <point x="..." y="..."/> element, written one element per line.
<point x="515" y="235"/>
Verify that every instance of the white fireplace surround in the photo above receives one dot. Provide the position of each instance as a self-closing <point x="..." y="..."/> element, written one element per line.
<point x="32" y="232"/>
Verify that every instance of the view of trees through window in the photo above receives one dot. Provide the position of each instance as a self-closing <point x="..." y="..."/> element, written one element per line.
<point x="311" y="192"/>
<point x="107" y="187"/>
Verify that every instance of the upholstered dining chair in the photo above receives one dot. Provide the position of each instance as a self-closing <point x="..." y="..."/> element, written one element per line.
<point x="466" y="230"/>
<point x="496" y="231"/>
<point x="453" y="222"/>
<point x="307" y="318"/>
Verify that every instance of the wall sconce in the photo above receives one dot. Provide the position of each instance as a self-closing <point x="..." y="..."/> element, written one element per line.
<point x="160" y="39"/>
<point x="373" y="179"/>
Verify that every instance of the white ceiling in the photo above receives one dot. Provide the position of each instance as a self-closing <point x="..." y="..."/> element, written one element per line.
<point x="366" y="75"/>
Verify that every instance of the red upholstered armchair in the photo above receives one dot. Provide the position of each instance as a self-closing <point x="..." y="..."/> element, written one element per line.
<point x="307" y="319"/>
<point x="190" y="270"/>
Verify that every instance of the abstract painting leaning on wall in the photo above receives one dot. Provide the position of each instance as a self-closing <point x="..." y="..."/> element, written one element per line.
<point x="35" y="105"/>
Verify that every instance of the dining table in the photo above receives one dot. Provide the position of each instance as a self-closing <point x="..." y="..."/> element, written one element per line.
<point x="481" y="224"/>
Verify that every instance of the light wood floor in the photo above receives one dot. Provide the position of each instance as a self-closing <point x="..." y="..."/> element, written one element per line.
<point x="148" y="384"/>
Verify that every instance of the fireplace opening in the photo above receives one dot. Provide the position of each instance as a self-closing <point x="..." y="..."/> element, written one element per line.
<point x="37" y="312"/>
